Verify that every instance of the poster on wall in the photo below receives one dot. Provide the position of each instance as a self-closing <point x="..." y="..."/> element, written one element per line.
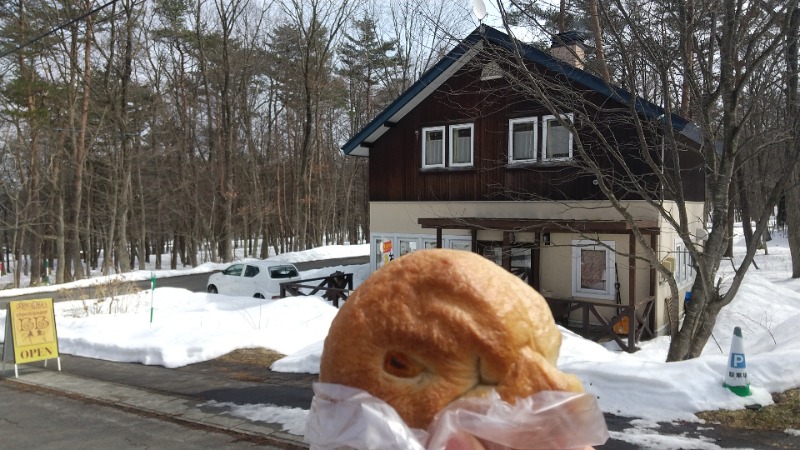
<point x="386" y="252"/>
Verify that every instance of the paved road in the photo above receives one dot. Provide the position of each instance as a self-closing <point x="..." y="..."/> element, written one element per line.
<point x="194" y="282"/>
<point x="33" y="418"/>
<point x="150" y="394"/>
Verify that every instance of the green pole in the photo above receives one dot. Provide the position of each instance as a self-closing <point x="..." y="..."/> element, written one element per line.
<point x="152" y="294"/>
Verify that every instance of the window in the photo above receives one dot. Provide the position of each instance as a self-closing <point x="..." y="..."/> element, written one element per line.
<point x="433" y="147"/>
<point x="556" y="138"/>
<point x="461" y="245"/>
<point x="593" y="269"/>
<point x="251" y="271"/>
<point x="461" y="145"/>
<point x="377" y="250"/>
<point x="459" y="148"/>
<point x="384" y="251"/>
<point x="684" y="264"/>
<point x="492" y="251"/>
<point x="279" y="272"/>
<point x="407" y="246"/>
<point x="387" y="247"/>
<point x="521" y="262"/>
<point x="522" y="136"/>
<point x="234" y="270"/>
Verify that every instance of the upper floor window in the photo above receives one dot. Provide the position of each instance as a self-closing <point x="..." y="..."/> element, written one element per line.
<point x="556" y="138"/>
<point x="461" y="145"/>
<point x="522" y="137"/>
<point x="457" y="152"/>
<point x="433" y="147"/>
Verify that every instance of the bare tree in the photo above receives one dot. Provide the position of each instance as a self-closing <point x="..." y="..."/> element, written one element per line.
<point x="731" y="42"/>
<point x="792" y="194"/>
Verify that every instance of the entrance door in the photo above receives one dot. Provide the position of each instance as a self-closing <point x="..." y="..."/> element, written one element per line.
<point x="522" y="263"/>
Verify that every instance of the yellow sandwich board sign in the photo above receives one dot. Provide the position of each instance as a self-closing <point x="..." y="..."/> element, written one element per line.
<point x="33" y="331"/>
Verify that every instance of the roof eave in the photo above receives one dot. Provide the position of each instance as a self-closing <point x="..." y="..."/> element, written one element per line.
<point x="427" y="83"/>
<point x="359" y="144"/>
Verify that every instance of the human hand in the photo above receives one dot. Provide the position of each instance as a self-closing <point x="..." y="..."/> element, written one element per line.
<point x="463" y="441"/>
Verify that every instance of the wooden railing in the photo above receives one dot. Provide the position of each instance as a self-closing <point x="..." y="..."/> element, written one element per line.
<point x="337" y="286"/>
<point x="637" y="317"/>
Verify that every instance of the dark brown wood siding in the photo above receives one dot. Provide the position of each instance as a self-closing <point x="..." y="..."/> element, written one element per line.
<point x="395" y="166"/>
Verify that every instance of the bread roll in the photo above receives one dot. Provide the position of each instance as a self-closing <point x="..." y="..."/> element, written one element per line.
<point x="436" y="325"/>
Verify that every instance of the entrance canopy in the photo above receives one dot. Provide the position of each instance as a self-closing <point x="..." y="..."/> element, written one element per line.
<point x="647" y="227"/>
<point x="636" y="314"/>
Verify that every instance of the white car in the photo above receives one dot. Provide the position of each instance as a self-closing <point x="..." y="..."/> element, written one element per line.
<point x="260" y="279"/>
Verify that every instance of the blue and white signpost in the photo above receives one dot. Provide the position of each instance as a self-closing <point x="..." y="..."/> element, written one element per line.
<point x="736" y="376"/>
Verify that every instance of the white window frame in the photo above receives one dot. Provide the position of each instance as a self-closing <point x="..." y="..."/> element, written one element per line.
<point x="684" y="269"/>
<point x="511" y="123"/>
<point x="413" y="245"/>
<point x="460" y="244"/>
<point x="423" y="241"/>
<point x="425" y="130"/>
<point x="608" y="247"/>
<point x="451" y="144"/>
<point x="545" y="121"/>
<point x="376" y="251"/>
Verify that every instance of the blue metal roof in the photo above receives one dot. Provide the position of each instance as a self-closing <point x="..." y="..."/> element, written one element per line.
<point x="496" y="37"/>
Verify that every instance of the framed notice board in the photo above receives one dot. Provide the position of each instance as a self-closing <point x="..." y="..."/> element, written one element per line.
<point x="30" y="333"/>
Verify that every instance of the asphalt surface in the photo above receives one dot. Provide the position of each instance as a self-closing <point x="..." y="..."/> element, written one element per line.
<point x="195" y="396"/>
<point x="179" y="396"/>
<point x="34" y="418"/>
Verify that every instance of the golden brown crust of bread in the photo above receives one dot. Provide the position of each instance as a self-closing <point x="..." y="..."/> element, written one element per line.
<point x="435" y="325"/>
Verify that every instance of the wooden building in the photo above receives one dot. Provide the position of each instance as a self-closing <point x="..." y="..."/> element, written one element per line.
<point x="468" y="159"/>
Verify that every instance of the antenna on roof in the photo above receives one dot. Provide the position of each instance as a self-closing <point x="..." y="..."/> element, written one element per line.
<point x="479" y="9"/>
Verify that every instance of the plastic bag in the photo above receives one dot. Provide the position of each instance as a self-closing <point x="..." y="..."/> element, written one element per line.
<point x="344" y="417"/>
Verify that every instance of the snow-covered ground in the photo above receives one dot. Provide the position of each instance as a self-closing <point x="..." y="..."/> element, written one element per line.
<point x="191" y="327"/>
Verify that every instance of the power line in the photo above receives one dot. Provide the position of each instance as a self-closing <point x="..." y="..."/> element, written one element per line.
<point x="58" y="28"/>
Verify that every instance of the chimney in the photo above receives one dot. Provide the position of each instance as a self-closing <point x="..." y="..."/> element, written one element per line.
<point x="569" y="48"/>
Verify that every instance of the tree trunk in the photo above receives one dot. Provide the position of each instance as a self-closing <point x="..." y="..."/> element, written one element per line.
<point x="705" y="328"/>
<point x="79" y="154"/>
<point x="121" y="243"/>
<point x="143" y="250"/>
<point x="744" y="207"/>
<point x="793" y="217"/>
<point x="599" y="52"/>
<point x="61" y="230"/>
<point x="792" y="195"/>
<point x="681" y="344"/>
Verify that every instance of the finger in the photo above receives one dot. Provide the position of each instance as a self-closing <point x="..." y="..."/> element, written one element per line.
<point x="463" y="441"/>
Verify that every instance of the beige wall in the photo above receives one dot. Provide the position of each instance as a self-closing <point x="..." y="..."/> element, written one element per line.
<point x="666" y="247"/>
<point x="400" y="218"/>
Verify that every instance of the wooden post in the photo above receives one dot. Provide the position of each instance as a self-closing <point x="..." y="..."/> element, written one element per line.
<point x="631" y="290"/>
<point x="507" y="250"/>
<point x="536" y="262"/>
<point x="653" y="274"/>
<point x="474" y="240"/>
